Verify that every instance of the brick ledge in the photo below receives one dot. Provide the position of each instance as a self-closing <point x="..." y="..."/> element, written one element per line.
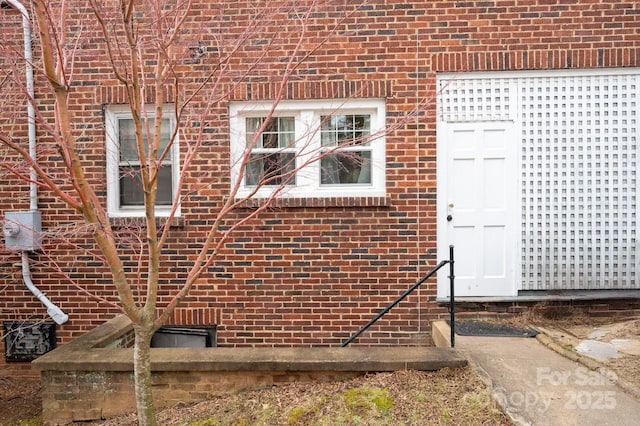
<point x="319" y="202"/>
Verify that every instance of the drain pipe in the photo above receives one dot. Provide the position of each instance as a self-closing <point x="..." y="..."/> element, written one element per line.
<point x="54" y="311"/>
<point x="31" y="114"/>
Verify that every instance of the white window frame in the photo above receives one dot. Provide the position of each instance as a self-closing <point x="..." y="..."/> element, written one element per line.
<point x="307" y="116"/>
<point x="114" y="113"/>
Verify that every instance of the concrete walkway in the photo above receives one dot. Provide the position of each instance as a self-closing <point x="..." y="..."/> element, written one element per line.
<point x="537" y="386"/>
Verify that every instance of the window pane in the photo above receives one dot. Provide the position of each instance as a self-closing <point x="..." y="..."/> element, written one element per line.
<point x="164" y="197"/>
<point x="131" y="193"/>
<point x="328" y="137"/>
<point x="270" y="168"/>
<point x="362" y="124"/>
<point x="287" y="131"/>
<point x="270" y="134"/>
<point x="252" y="124"/>
<point x="279" y="132"/>
<point x="127" y="133"/>
<point x="165" y="135"/>
<point x="346" y="167"/>
<point x="344" y="129"/>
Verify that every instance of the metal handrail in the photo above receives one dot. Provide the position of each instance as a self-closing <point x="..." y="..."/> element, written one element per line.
<point x="409" y="291"/>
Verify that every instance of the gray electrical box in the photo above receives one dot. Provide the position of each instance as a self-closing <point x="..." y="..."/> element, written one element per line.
<point x="22" y="230"/>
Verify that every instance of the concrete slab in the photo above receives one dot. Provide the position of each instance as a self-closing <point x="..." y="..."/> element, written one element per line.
<point x="537" y="386"/>
<point x="597" y="350"/>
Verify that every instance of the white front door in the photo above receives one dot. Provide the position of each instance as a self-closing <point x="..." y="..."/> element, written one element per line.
<point x="478" y="207"/>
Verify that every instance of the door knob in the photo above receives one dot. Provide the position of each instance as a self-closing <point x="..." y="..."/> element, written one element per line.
<point x="449" y="218"/>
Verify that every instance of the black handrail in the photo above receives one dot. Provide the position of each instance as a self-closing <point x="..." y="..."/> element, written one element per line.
<point x="452" y="299"/>
<point x="409" y="291"/>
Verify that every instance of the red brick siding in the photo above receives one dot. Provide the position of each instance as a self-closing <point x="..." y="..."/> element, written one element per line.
<point x="308" y="273"/>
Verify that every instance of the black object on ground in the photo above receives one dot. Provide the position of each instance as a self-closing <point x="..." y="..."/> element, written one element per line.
<point x="490" y="329"/>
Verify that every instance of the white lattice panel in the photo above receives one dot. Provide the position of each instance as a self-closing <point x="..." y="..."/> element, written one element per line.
<point x="475" y="99"/>
<point x="579" y="182"/>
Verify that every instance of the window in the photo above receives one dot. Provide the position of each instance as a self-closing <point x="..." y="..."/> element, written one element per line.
<point x="273" y="156"/>
<point x="125" y="197"/>
<point x="312" y="148"/>
<point x="351" y="164"/>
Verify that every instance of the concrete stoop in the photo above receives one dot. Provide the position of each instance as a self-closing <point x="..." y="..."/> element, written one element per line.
<point x="91" y="377"/>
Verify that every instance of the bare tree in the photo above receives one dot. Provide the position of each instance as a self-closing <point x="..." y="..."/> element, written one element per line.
<point x="154" y="54"/>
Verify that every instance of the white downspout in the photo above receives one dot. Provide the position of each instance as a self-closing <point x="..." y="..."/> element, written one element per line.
<point x="54" y="311"/>
<point x="31" y="114"/>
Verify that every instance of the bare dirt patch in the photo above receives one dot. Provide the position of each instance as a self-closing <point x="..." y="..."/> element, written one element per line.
<point x="623" y="335"/>
<point x="20" y="401"/>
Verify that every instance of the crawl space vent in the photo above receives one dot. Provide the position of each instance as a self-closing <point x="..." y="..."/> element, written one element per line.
<point x="184" y="337"/>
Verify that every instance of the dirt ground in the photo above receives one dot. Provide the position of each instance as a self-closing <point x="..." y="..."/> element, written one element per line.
<point x="619" y="338"/>
<point x="445" y="397"/>
<point x="19" y="400"/>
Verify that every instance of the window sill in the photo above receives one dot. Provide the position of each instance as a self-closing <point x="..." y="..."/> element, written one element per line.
<point x="140" y="222"/>
<point x="318" y="202"/>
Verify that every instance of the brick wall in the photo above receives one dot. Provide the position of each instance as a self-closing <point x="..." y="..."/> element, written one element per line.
<point x="303" y="273"/>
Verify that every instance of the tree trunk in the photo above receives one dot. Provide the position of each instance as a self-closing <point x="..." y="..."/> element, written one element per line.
<point x="142" y="375"/>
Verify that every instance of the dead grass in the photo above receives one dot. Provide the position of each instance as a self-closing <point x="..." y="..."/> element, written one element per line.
<point x="446" y="397"/>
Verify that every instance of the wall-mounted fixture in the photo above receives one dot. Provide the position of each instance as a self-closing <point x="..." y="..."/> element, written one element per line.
<point x="22" y="230"/>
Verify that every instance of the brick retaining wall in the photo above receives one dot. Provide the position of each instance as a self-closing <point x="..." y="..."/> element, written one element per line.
<point x="92" y="377"/>
<point x="74" y="396"/>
